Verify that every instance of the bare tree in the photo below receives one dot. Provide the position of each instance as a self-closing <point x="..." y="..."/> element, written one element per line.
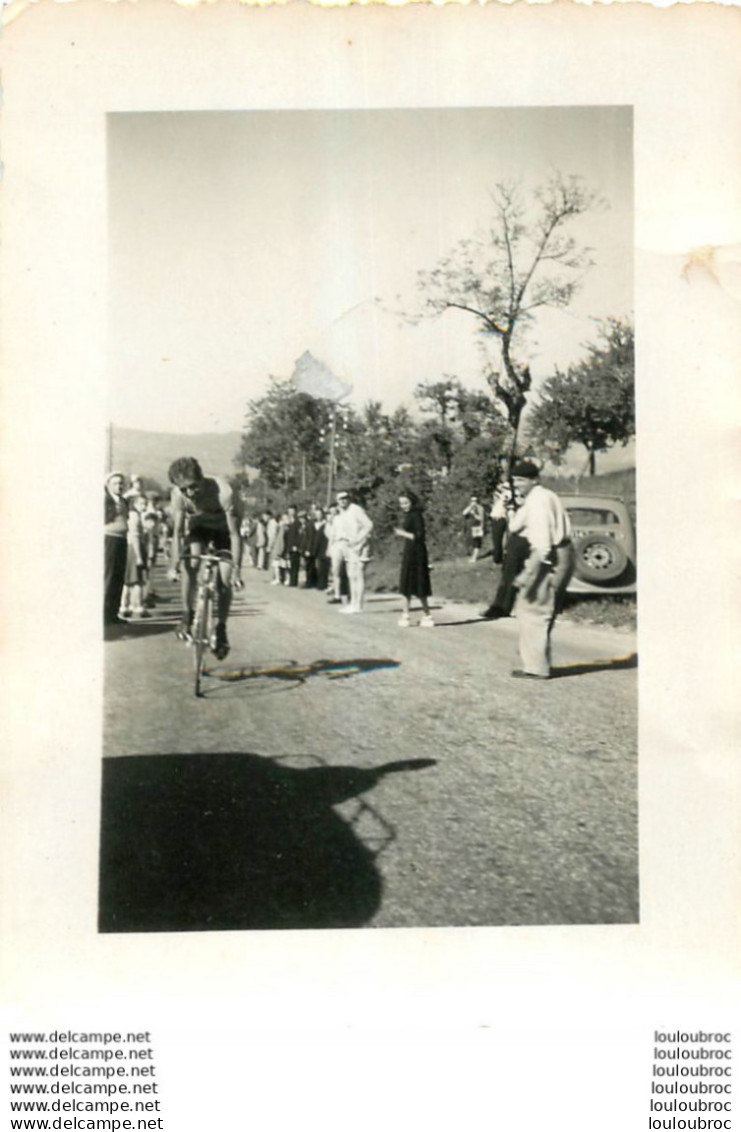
<point x="527" y="260"/>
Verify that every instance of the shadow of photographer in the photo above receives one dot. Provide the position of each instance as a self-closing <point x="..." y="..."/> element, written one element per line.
<point x="218" y="842"/>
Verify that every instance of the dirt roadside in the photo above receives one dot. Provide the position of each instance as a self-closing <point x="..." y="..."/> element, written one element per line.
<point x="357" y="773"/>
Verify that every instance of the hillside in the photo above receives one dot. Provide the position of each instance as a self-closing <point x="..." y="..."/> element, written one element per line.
<point x="151" y="453"/>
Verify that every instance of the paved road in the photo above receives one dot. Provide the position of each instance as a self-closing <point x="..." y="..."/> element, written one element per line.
<point x="343" y="771"/>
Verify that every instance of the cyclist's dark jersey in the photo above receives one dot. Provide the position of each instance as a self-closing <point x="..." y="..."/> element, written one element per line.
<point x="204" y="517"/>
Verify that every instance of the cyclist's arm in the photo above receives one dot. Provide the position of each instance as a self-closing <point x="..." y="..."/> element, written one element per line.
<point x="236" y="540"/>
<point x="178" y="530"/>
<point x="230" y="503"/>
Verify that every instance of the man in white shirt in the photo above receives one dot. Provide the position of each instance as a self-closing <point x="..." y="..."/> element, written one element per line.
<point x="542" y="582"/>
<point x="351" y="534"/>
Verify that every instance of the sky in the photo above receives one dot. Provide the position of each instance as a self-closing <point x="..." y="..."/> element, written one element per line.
<point x="238" y="240"/>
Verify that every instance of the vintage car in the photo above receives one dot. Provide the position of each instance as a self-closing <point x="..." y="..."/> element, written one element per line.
<point x="604" y="543"/>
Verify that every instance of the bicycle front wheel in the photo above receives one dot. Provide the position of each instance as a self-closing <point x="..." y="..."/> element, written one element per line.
<point x="201" y="630"/>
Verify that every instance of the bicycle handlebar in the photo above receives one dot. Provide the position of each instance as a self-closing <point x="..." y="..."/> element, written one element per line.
<point x="216" y="556"/>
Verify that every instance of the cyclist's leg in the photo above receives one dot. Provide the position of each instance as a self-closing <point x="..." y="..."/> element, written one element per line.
<point x="188" y="580"/>
<point x="224" y="591"/>
<point x="219" y="639"/>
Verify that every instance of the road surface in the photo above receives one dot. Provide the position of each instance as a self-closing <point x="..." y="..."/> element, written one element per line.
<point x="343" y="771"/>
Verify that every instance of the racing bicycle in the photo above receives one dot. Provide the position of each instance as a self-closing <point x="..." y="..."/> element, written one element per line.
<point x="204" y="620"/>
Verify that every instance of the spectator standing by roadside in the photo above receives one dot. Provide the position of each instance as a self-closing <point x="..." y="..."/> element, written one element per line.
<point x="475" y="517"/>
<point x="270" y="522"/>
<point x="292" y="547"/>
<point x="512" y="556"/>
<point x="278" y="558"/>
<point x="414" y="577"/>
<point x="498" y="514"/>
<point x="353" y="529"/>
<point x="306" y="549"/>
<point x="136" y="488"/>
<point x="115" y="529"/>
<point x="247" y="532"/>
<point x="543" y="579"/>
<point x="260" y="540"/>
<point x="334" y="552"/>
<point x="152" y="522"/>
<point x="132" y="596"/>
<point x="319" y="549"/>
<point x="165" y="529"/>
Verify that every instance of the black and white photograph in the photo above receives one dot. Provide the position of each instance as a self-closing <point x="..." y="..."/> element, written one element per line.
<point x="392" y="336"/>
<point x="370" y="542"/>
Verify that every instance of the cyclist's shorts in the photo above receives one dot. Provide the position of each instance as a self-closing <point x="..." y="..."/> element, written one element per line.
<point x="204" y="535"/>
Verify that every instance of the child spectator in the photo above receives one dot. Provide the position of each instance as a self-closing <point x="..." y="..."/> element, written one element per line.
<point x="474" y="514"/>
<point x="132" y="603"/>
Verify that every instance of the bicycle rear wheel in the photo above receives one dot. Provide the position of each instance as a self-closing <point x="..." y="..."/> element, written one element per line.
<point x="201" y="630"/>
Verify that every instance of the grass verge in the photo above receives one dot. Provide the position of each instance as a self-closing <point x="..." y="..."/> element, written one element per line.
<point x="458" y="579"/>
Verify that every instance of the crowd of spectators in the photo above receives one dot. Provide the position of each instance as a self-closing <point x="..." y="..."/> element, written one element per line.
<point x="313" y="548"/>
<point x="327" y="550"/>
<point x="136" y="528"/>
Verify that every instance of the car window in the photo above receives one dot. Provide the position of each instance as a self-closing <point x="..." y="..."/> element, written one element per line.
<point x="592" y="517"/>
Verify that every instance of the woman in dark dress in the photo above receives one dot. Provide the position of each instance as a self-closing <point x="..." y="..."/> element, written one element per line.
<point x="414" y="579"/>
<point x="319" y="549"/>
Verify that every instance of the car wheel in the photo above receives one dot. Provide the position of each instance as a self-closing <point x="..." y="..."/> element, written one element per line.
<point x="599" y="559"/>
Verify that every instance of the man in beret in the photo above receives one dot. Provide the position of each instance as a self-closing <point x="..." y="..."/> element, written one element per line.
<point x="542" y="582"/>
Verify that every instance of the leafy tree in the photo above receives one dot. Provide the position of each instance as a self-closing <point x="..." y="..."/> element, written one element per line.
<point x="443" y="458"/>
<point x="435" y="448"/>
<point x="403" y="432"/>
<point x="473" y="412"/>
<point x="284" y="436"/>
<point x="479" y="416"/>
<point x="440" y="397"/>
<point x="476" y="468"/>
<point x="593" y="403"/>
<point x="369" y="447"/>
<point x="527" y="260"/>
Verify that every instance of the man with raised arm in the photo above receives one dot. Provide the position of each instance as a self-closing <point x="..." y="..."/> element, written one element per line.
<point x="205" y="509"/>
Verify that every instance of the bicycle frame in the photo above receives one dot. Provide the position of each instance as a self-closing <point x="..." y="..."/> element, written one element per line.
<point x="209" y="583"/>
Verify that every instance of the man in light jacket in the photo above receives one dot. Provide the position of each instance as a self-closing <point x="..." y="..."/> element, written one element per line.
<point x="351" y="531"/>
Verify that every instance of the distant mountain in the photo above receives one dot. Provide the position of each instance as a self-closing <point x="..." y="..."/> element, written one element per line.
<point x="150" y="453"/>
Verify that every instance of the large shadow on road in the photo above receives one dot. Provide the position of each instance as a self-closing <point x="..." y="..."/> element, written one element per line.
<point x="217" y="842"/>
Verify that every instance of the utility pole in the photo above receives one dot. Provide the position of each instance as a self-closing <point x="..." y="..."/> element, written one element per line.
<point x="332" y="431"/>
<point x="314" y="377"/>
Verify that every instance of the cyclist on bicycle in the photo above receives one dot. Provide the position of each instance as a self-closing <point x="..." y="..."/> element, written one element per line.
<point x="205" y="510"/>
